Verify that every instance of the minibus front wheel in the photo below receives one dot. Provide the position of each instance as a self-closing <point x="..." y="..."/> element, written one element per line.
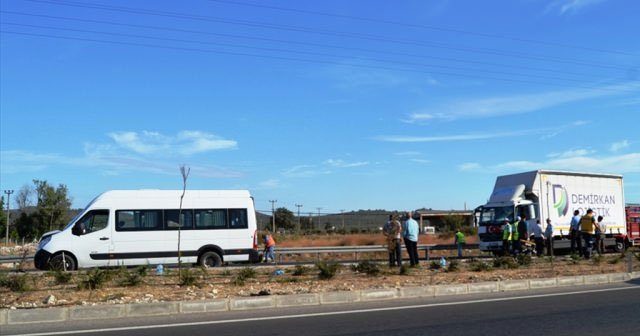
<point x="210" y="259"/>
<point x="62" y="261"/>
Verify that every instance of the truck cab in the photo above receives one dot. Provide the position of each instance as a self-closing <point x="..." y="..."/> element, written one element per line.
<point x="506" y="203"/>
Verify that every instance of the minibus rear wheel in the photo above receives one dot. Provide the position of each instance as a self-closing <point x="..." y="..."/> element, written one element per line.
<point x="210" y="259"/>
<point x="62" y="261"/>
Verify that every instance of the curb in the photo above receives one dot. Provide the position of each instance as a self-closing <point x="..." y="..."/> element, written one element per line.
<point x="40" y="315"/>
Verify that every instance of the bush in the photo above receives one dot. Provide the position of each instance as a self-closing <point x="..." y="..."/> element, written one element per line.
<point x="16" y="283"/>
<point x="454" y="266"/>
<point x="327" y="271"/>
<point x="505" y="262"/>
<point x="367" y="267"/>
<point x="132" y="278"/>
<point x="94" y="279"/>
<point x="243" y="275"/>
<point x="301" y="270"/>
<point x="479" y="266"/>
<point x="188" y="277"/>
<point x="524" y="259"/>
<point x="434" y="265"/>
<point x="61" y="277"/>
<point x="597" y="259"/>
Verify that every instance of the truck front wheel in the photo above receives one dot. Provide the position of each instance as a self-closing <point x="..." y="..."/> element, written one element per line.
<point x="620" y="246"/>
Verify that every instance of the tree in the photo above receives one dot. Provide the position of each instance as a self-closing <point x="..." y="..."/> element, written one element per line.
<point x="23" y="198"/>
<point x="25" y="227"/>
<point x="452" y="222"/>
<point x="284" y="219"/>
<point x="52" y="206"/>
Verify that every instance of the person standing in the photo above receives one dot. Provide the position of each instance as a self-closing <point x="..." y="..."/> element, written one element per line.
<point x="459" y="241"/>
<point x="516" y="244"/>
<point x="548" y="235"/>
<point x="574" y="233"/>
<point x="269" y="248"/>
<point x="600" y="235"/>
<point x="538" y="238"/>
<point x="587" y="230"/>
<point x="507" y="231"/>
<point x="410" y="234"/>
<point x="392" y="231"/>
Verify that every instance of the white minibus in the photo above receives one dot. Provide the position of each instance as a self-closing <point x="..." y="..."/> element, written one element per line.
<point x="139" y="227"/>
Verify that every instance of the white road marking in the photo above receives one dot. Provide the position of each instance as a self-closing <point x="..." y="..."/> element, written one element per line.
<point x="357" y="311"/>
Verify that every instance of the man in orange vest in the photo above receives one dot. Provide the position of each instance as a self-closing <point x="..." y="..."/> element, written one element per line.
<point x="269" y="248"/>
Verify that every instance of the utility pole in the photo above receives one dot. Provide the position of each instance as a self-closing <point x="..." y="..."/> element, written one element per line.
<point x="8" y="192"/>
<point x="299" y="223"/>
<point x="342" y="215"/>
<point x="273" y="215"/>
<point x="319" y="217"/>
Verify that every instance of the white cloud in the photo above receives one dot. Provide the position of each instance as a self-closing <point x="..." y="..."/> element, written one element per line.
<point x="305" y="171"/>
<point x="517" y="104"/>
<point x="469" y="166"/>
<point x="270" y="184"/>
<point x="617" y="164"/>
<point x="571" y="6"/>
<point x="616" y="146"/>
<point x="184" y="143"/>
<point x="343" y="164"/>
<point x="571" y="153"/>
<point x="456" y="137"/>
<point x="408" y="153"/>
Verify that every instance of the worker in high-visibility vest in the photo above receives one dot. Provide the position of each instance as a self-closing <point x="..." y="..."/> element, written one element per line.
<point x="516" y="245"/>
<point x="459" y="241"/>
<point x="507" y="231"/>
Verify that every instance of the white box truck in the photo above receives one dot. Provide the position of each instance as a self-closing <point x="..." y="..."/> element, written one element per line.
<point x="542" y="194"/>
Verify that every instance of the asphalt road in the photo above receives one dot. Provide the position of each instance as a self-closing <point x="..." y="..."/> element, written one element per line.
<point x="595" y="310"/>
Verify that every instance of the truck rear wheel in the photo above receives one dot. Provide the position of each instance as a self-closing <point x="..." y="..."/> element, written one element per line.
<point x="210" y="259"/>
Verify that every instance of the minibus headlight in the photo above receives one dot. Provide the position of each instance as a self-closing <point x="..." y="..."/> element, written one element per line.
<point x="43" y="242"/>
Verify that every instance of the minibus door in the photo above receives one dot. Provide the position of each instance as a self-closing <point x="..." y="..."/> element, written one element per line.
<point x="94" y="238"/>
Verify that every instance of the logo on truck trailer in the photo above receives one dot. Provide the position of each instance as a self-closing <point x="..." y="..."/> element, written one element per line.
<point x="560" y="200"/>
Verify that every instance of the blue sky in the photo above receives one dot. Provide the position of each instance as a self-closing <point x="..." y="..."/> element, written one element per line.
<point x="335" y="105"/>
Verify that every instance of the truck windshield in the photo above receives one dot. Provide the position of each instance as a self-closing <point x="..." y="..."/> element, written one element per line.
<point x="496" y="215"/>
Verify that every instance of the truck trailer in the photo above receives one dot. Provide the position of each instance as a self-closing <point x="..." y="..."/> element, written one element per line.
<point x="541" y="194"/>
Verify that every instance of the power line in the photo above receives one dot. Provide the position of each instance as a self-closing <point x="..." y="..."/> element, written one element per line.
<point x="321" y="32"/>
<point x="307" y="60"/>
<point x="412" y="25"/>
<point x="388" y="52"/>
<point x="292" y="51"/>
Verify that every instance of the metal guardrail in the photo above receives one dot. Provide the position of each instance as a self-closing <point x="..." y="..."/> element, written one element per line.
<point x="356" y="250"/>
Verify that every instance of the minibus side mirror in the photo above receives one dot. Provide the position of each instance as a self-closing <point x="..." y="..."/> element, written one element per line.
<point x="77" y="229"/>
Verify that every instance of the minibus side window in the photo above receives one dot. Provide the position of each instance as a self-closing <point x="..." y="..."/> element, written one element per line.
<point x="93" y="221"/>
<point x="238" y="218"/>
<point x="210" y="219"/>
<point x="171" y="221"/>
<point x="138" y="220"/>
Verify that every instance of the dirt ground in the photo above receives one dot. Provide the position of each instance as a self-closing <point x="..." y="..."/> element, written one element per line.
<point x="32" y="290"/>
